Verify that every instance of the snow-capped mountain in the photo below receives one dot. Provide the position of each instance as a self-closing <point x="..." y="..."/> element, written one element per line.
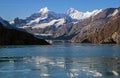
<point x="50" y="25"/>
<point x="75" y="14"/>
<point x="46" y="18"/>
<point x="42" y="19"/>
<point x="46" y="22"/>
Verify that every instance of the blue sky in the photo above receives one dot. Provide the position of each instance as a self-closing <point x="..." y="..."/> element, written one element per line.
<point x="9" y="9"/>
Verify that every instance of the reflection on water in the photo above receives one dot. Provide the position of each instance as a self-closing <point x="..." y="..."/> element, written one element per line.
<point x="60" y="61"/>
<point x="61" y="67"/>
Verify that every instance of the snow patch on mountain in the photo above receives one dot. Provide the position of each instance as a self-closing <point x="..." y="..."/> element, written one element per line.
<point x="115" y="12"/>
<point x="112" y="14"/>
<point x="60" y="22"/>
<point x="11" y="22"/>
<point x="44" y="10"/>
<point x="51" y="23"/>
<point x="36" y="21"/>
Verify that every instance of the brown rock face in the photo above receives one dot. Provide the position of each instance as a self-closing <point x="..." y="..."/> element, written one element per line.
<point x="102" y="28"/>
<point x="16" y="37"/>
<point x="110" y="33"/>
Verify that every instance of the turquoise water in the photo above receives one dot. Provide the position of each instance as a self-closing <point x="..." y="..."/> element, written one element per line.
<point x="60" y="61"/>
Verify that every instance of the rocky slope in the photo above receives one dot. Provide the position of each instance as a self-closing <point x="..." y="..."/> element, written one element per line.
<point x="11" y="36"/>
<point x="94" y="24"/>
<point x="110" y="33"/>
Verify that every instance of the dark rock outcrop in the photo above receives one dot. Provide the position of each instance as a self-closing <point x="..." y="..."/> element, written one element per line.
<point x="11" y="36"/>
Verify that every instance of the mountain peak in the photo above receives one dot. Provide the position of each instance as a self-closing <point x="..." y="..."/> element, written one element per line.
<point x="72" y="10"/>
<point x="75" y="14"/>
<point x="2" y="21"/>
<point x="44" y="10"/>
<point x="1" y="18"/>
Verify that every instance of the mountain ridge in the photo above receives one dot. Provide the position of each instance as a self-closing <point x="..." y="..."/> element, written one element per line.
<point x="96" y="24"/>
<point x="65" y="28"/>
<point x="45" y="15"/>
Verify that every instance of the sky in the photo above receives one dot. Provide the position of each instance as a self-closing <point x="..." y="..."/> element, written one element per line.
<point x="10" y="9"/>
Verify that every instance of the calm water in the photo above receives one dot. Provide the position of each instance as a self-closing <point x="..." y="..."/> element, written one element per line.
<point x="60" y="61"/>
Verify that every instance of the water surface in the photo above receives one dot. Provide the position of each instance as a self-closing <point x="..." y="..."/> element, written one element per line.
<point x="60" y="61"/>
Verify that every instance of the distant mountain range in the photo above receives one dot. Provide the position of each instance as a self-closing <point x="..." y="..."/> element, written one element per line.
<point x="46" y="23"/>
<point x="75" y="26"/>
<point x="46" y="18"/>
